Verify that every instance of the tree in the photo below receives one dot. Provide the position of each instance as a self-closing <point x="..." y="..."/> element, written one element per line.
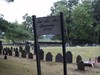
<point x="9" y="0"/>
<point x="78" y="20"/>
<point x="83" y="20"/>
<point x="27" y="24"/>
<point x="96" y="14"/>
<point x="14" y="31"/>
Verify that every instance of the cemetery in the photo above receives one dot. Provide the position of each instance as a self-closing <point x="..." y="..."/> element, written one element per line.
<point x="51" y="59"/>
<point x="64" y="42"/>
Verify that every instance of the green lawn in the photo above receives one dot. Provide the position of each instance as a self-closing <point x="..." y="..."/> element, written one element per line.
<point x="21" y="66"/>
<point x="85" y="52"/>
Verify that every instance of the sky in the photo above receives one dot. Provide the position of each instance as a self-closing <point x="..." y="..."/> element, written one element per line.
<point x="14" y="11"/>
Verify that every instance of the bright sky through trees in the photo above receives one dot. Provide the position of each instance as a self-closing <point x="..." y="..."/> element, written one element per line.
<point x="17" y="9"/>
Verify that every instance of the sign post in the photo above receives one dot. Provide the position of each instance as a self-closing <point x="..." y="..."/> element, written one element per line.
<point x="45" y="26"/>
<point x="63" y="44"/>
<point x="36" y="46"/>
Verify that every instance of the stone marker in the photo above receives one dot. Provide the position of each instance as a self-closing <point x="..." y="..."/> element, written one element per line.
<point x="68" y="57"/>
<point x="41" y="54"/>
<point x="49" y="56"/>
<point x="30" y="56"/>
<point x="23" y="54"/>
<point x="20" y="48"/>
<point x="78" y="58"/>
<point x="5" y="56"/>
<point x="27" y="48"/>
<point x="59" y="58"/>
<point x="1" y="47"/>
<point x="10" y="52"/>
<point x="80" y="66"/>
<point x="98" y="58"/>
<point x="16" y="53"/>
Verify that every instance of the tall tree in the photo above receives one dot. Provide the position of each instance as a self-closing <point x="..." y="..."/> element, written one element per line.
<point x="96" y="14"/>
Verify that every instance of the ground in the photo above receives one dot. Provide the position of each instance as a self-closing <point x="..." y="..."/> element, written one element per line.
<point x="21" y="66"/>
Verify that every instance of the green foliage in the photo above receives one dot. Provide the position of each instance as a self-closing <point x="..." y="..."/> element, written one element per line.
<point x="14" y="31"/>
<point x="78" y="19"/>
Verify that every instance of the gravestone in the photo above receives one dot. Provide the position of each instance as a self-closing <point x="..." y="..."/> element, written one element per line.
<point x="20" y="48"/>
<point x="5" y="51"/>
<point x="80" y="66"/>
<point x="16" y="49"/>
<point x="1" y="47"/>
<point x="30" y="56"/>
<point x="69" y="57"/>
<point x="98" y="58"/>
<point x="11" y="48"/>
<point x="78" y="58"/>
<point x="5" y="57"/>
<point x="16" y="53"/>
<point x="49" y="56"/>
<point x="41" y="54"/>
<point x="59" y="58"/>
<point x="27" y="48"/>
<point x="10" y="52"/>
<point x="23" y="54"/>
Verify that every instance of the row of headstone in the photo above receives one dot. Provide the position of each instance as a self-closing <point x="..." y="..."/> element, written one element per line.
<point x="8" y="51"/>
<point x="1" y="47"/>
<point x="58" y="57"/>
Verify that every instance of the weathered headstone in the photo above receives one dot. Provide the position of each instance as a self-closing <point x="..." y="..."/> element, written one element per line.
<point x="41" y="54"/>
<point x="16" y="53"/>
<point x="69" y="57"/>
<point x="30" y="56"/>
<point x="5" y="56"/>
<point x="11" y="48"/>
<point x="80" y="66"/>
<point x="5" y="51"/>
<point x="23" y="54"/>
<point x="49" y="56"/>
<point x="27" y="48"/>
<point x="20" y="48"/>
<point x="1" y="47"/>
<point x="10" y="52"/>
<point x="16" y="49"/>
<point x="98" y="58"/>
<point x="78" y="59"/>
<point x="59" y="58"/>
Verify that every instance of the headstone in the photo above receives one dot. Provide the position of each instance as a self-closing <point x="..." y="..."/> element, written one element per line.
<point x="5" y="51"/>
<point x="10" y="52"/>
<point x="81" y="66"/>
<point x="98" y="59"/>
<point x="41" y="54"/>
<point x="23" y="54"/>
<point x="11" y="48"/>
<point x="49" y="56"/>
<point x="16" y="53"/>
<point x="69" y="57"/>
<point x="59" y="58"/>
<point x="27" y="48"/>
<point x="5" y="56"/>
<point x="16" y="49"/>
<point x="20" y="48"/>
<point x="78" y="59"/>
<point x="1" y="47"/>
<point x="30" y="56"/>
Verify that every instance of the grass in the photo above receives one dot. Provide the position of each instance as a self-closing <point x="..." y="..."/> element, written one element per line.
<point x="22" y="66"/>
<point x="85" y="52"/>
